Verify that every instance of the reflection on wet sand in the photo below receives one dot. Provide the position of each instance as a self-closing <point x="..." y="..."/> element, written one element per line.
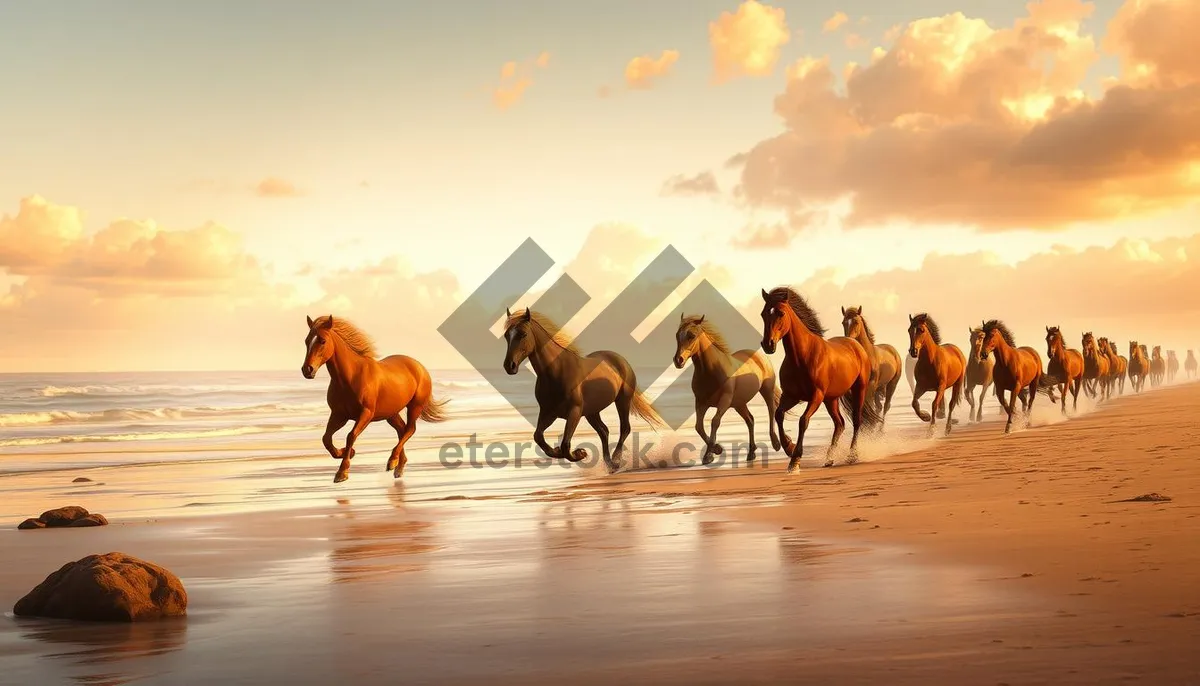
<point x="94" y="648"/>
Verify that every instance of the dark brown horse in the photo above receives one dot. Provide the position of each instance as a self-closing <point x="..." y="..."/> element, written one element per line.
<point x="1158" y="367"/>
<point x="1018" y="370"/>
<point x="1139" y="366"/>
<point x="363" y="389"/>
<point x="1095" y="368"/>
<point x="574" y="386"/>
<point x="1065" y="366"/>
<point x="885" y="361"/>
<point x="979" y="373"/>
<point x="815" y="370"/>
<point x="939" y="366"/>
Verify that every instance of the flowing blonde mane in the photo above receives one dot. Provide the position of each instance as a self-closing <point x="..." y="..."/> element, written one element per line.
<point x="706" y="326"/>
<point x="556" y="333"/>
<point x="351" y="335"/>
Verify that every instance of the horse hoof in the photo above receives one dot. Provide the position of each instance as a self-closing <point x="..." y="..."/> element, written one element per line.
<point x="577" y="455"/>
<point x="398" y="472"/>
<point x="852" y="458"/>
<point x="828" y="463"/>
<point x="776" y="445"/>
<point x="340" y="477"/>
<point x="708" y="458"/>
<point x="750" y="457"/>
<point x="793" y="469"/>
<point x="716" y="448"/>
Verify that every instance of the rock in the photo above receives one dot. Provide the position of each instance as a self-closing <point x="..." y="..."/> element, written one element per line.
<point x="106" y="588"/>
<point x="93" y="519"/>
<point x="63" y="516"/>
<point x="81" y="480"/>
<point x="32" y="523"/>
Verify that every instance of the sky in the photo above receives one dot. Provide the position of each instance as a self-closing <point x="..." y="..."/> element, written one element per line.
<point x="181" y="184"/>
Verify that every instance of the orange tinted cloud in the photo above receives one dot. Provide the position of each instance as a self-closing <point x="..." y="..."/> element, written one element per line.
<point x="704" y="183"/>
<point x="747" y="42"/>
<point x="274" y="187"/>
<point x="959" y="122"/>
<point x="835" y="22"/>
<point x="642" y="71"/>
<point x="515" y="79"/>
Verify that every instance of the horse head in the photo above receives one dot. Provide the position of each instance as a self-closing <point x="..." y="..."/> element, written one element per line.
<point x="318" y="345"/>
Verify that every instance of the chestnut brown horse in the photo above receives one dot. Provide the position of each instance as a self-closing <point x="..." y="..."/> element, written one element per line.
<point x="364" y="389"/>
<point x="815" y="370"/>
<point x="1118" y="365"/>
<point x="939" y="366"/>
<point x="1018" y="370"/>
<point x="1065" y="366"/>
<point x="979" y="373"/>
<point x="885" y="361"/>
<point x="1095" y="367"/>
<point x="1139" y="366"/>
<point x="1189" y="365"/>
<point x="1158" y="367"/>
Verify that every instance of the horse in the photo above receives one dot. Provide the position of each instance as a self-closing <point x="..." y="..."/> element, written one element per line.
<point x="1189" y="365"/>
<point x="1172" y="366"/>
<point x="1065" y="365"/>
<point x="938" y="367"/>
<point x="1158" y="367"/>
<point x="1017" y="370"/>
<point x="885" y="361"/>
<point x="815" y="370"/>
<point x="1117" y="366"/>
<point x="979" y="373"/>
<point x="364" y="389"/>
<point x="724" y="379"/>
<point x="1095" y="367"/>
<point x="1139" y="366"/>
<point x="573" y="386"/>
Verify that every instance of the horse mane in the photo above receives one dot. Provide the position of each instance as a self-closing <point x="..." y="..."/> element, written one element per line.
<point x="556" y="333"/>
<point x="800" y="306"/>
<point x="351" y="335"/>
<point x="706" y="326"/>
<point x="997" y="325"/>
<point x="925" y="319"/>
<point x="857" y="312"/>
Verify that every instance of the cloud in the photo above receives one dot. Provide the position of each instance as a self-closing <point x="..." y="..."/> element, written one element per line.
<point x="856" y="41"/>
<point x="515" y="79"/>
<point x="643" y="71"/>
<point x="965" y="124"/>
<point x="748" y="42"/>
<point x="835" y="22"/>
<point x="704" y="183"/>
<point x="1101" y="289"/>
<point x="274" y="187"/>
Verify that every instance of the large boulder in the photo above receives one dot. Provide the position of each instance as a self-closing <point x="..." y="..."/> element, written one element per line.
<point x="114" y="587"/>
<point x="63" y="516"/>
<point x="94" y="519"/>
<point x="32" y="524"/>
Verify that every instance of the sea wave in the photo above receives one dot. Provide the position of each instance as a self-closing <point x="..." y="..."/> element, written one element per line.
<point x="29" y="441"/>
<point x="53" y="417"/>
<point x="148" y="389"/>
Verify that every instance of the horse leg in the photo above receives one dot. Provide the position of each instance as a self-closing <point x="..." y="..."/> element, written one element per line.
<point x="916" y="403"/>
<point x="801" y="427"/>
<point x="833" y="407"/>
<point x="335" y="424"/>
<point x="597" y="423"/>
<point x="891" y="391"/>
<point x="701" y="410"/>
<point x="722" y="407"/>
<point x="786" y="403"/>
<point x="768" y="395"/>
<point x="394" y="464"/>
<point x="955" y="398"/>
<point x="1062" y="390"/>
<point x="623" y="403"/>
<point x="748" y="417"/>
<point x="1008" y="406"/>
<point x="939" y="397"/>
<point x="564" y="450"/>
<point x="544" y="420"/>
<point x="971" y="403"/>
<point x="360" y="425"/>
<point x="1033" y="386"/>
<point x="982" y="395"/>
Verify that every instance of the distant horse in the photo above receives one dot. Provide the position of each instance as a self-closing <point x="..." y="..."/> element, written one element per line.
<point x="1139" y="366"/>
<point x="1158" y="367"/>
<point x="939" y="366"/>
<point x="1109" y="381"/>
<point x="1118" y="365"/>
<point x="1189" y="365"/>
<point x="885" y="361"/>
<point x="724" y="379"/>
<point x="815" y="370"/>
<point x="1017" y="370"/>
<point x="1095" y="367"/>
<point x="1065" y="366"/>
<point x="979" y="373"/>
<point x="573" y="386"/>
<point x="363" y="389"/>
<point x="1172" y="366"/>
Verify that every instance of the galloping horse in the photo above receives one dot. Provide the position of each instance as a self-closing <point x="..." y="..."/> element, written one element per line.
<point x="724" y="379"/>
<point x="815" y="370"/>
<point x="363" y="389"/>
<point x="1172" y="366"/>
<point x="1018" y="370"/>
<point x="572" y="386"/>
<point x="1189" y="365"/>
<point x="938" y="367"/>
<point x="1065" y="365"/>
<point x="1139" y="366"/>
<point x="1117" y="366"/>
<point x="885" y="361"/>
<point x="979" y="373"/>
<point x="1095" y="367"/>
<point x="1158" y="367"/>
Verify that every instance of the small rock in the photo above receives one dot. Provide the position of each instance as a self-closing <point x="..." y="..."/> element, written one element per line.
<point x="856" y="520"/>
<point x="93" y="519"/>
<point x="63" y="516"/>
<point x="1150" y="498"/>
<point x="32" y="523"/>
<point x="80" y="480"/>
<point x="106" y="588"/>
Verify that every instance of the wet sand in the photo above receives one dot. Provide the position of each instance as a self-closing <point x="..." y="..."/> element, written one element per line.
<point x="983" y="559"/>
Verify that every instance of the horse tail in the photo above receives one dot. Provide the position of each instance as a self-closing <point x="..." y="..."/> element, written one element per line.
<point x="435" y="410"/>
<point x="871" y="418"/>
<point x="1047" y="382"/>
<point x="641" y="407"/>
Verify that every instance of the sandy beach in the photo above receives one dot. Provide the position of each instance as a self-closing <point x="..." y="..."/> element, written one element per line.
<point x="975" y="559"/>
